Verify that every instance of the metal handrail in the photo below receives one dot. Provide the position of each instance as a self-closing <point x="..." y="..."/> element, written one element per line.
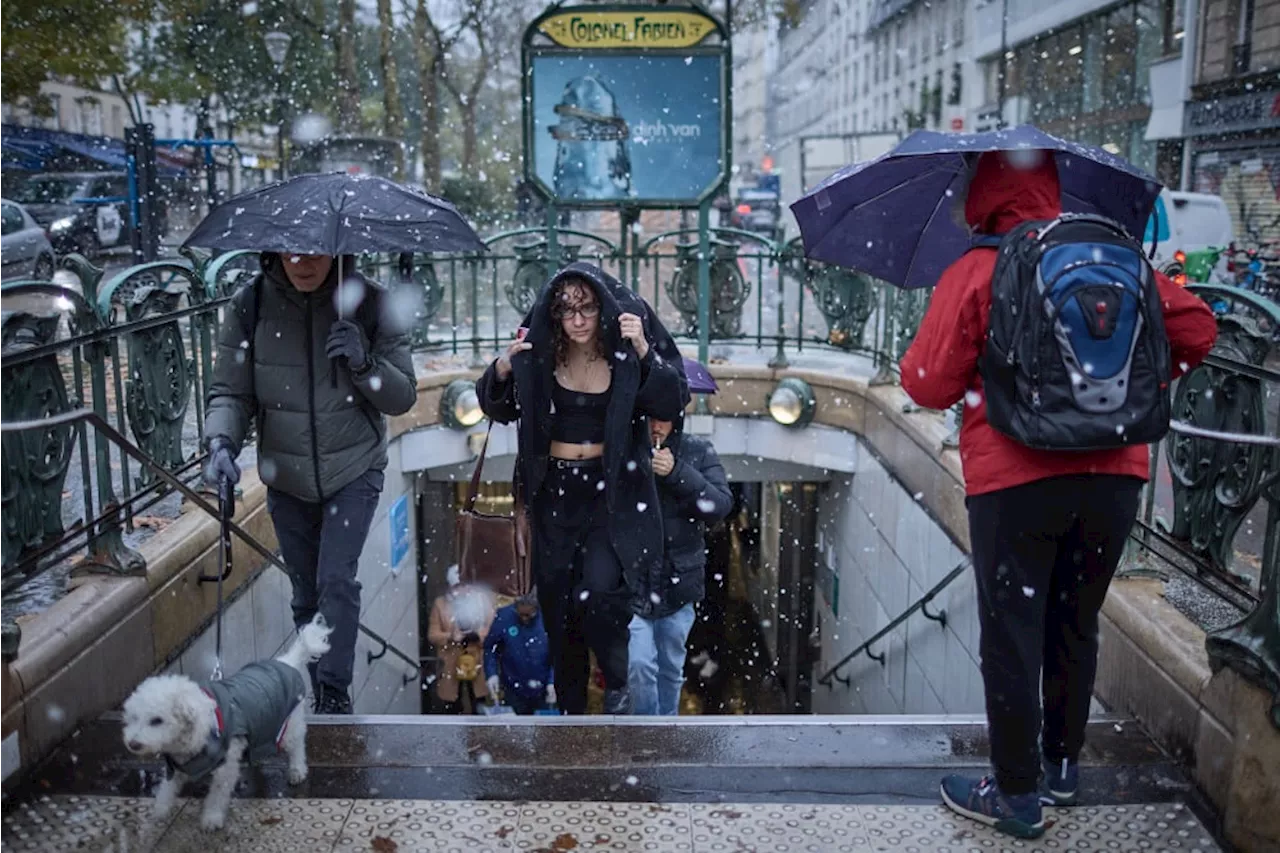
<point x="76" y="416"/>
<point x="921" y="605"/>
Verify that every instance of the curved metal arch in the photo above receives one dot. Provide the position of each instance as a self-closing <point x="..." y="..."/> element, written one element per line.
<point x="179" y="269"/>
<point x="644" y="248"/>
<point x="542" y="232"/>
<point x="213" y="271"/>
<point x="81" y="307"/>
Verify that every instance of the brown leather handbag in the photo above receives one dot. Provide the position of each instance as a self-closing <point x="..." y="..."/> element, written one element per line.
<point x="493" y="550"/>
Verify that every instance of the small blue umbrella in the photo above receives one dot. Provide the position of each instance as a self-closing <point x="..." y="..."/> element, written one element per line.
<point x="891" y="217"/>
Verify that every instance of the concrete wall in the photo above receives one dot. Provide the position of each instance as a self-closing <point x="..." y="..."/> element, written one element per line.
<point x="888" y="552"/>
<point x="390" y="605"/>
<point x="255" y="626"/>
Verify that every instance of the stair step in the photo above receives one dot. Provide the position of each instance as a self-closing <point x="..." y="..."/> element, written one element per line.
<point x="748" y="759"/>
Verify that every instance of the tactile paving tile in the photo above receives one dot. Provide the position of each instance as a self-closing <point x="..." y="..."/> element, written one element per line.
<point x="261" y="826"/>
<point x="429" y="826"/>
<point x="931" y="829"/>
<point x="95" y="824"/>
<point x="780" y="828"/>
<point x="631" y="827"/>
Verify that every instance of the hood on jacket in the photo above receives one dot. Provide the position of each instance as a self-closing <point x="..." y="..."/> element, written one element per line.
<point x="1008" y="187"/>
<point x="615" y="299"/>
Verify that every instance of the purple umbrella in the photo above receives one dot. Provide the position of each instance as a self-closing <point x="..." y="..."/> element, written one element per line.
<point x="700" y="379"/>
<point x="891" y="217"/>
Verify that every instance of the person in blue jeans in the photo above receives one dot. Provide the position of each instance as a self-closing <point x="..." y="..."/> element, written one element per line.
<point x="517" y="656"/>
<point x="692" y="491"/>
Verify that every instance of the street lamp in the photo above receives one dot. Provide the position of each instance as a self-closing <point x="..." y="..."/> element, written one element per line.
<point x="277" y="44"/>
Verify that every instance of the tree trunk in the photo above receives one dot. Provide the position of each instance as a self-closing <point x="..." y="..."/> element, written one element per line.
<point x="393" y="113"/>
<point x="429" y="82"/>
<point x="468" y="111"/>
<point x="347" y="78"/>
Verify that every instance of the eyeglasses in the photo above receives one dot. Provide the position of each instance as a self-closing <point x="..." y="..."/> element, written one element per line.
<point x="586" y="312"/>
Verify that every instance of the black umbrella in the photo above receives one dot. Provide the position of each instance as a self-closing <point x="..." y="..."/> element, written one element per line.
<point x="336" y="214"/>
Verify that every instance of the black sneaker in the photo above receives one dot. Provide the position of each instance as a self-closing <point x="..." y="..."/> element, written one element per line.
<point x="332" y="700"/>
<point x="618" y="702"/>
<point x="1061" y="782"/>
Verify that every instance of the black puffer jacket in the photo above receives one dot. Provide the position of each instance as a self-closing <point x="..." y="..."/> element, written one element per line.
<point x="319" y="426"/>
<point x="655" y="386"/>
<point x="694" y="494"/>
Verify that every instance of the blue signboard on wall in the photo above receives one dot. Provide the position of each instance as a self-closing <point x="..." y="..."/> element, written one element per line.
<point x="398" y="519"/>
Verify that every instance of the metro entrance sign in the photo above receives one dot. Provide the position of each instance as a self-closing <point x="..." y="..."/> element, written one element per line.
<point x="626" y="106"/>
<point x="648" y="27"/>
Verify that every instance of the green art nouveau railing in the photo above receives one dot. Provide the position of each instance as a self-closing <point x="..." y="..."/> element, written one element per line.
<point x="764" y="296"/>
<point x="138" y="351"/>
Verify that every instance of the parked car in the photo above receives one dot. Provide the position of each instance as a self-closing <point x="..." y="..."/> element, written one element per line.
<point x="756" y="210"/>
<point x="24" y="247"/>
<point x="76" y="226"/>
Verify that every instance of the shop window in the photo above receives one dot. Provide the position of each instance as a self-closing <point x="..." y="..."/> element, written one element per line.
<point x="1120" y="47"/>
<point x="1150" y="22"/>
<point x="1264" y="40"/>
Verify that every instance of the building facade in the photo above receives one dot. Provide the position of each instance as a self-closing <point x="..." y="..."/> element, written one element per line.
<point x="1079" y="69"/>
<point x="1232" y="119"/>
<point x="754" y="60"/>
<point x="857" y="74"/>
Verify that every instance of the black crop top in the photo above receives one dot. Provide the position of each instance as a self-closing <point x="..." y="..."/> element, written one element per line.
<point x="578" y="417"/>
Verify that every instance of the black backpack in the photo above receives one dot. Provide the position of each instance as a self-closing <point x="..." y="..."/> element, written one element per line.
<point x="1076" y="355"/>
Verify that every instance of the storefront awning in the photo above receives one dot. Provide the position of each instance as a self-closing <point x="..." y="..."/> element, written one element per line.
<point x="37" y="149"/>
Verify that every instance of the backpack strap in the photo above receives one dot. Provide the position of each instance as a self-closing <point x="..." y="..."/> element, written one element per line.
<point x="249" y="305"/>
<point x="986" y="241"/>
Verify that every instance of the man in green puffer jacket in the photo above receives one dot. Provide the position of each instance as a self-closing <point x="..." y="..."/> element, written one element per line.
<point x="317" y="386"/>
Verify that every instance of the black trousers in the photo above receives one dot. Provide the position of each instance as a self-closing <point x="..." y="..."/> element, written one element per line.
<point x="585" y="605"/>
<point x="1043" y="557"/>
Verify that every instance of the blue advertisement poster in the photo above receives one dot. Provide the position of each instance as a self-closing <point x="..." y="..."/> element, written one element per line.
<point x="612" y="128"/>
<point x="398" y="519"/>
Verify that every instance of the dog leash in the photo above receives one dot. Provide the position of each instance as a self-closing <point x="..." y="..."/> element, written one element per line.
<point x="226" y="509"/>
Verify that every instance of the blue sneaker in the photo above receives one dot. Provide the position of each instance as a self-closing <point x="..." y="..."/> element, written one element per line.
<point x="981" y="800"/>
<point x="1061" y="781"/>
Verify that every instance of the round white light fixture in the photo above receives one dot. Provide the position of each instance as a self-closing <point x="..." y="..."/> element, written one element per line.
<point x="792" y="403"/>
<point x="460" y="405"/>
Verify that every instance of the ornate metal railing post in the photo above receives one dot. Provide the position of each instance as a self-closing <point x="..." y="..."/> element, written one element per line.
<point x="846" y="299"/>
<point x="729" y="290"/>
<point x="35" y="463"/>
<point x="107" y="551"/>
<point x="1217" y="483"/>
<point x="161" y="379"/>
<point x="533" y="268"/>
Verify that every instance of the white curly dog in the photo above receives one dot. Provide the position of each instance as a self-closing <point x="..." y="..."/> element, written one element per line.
<point x="209" y="731"/>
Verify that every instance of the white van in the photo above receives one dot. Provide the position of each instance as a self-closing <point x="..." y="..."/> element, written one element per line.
<point x="1187" y="221"/>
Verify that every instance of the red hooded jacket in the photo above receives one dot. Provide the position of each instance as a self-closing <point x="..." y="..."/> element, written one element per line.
<point x="941" y="367"/>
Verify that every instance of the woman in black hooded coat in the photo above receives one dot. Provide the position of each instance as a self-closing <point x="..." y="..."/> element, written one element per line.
<point x="585" y="463"/>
